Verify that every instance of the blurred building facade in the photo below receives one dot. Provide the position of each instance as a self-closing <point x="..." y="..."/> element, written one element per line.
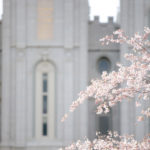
<point x="134" y="16"/>
<point x="50" y="52"/>
<point x="101" y="58"/>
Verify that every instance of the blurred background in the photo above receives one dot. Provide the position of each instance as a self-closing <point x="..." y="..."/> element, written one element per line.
<point x="49" y="52"/>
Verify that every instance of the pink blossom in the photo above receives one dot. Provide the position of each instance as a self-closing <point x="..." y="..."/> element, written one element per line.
<point x="107" y="91"/>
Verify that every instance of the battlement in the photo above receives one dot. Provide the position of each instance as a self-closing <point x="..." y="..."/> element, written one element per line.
<point x="97" y="30"/>
<point x="96" y="19"/>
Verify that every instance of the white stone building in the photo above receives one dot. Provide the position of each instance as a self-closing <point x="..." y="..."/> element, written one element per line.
<point x="134" y="16"/>
<point x="50" y="52"/>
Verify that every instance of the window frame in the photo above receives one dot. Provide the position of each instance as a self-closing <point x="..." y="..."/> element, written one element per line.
<point x="98" y="62"/>
<point x="42" y="68"/>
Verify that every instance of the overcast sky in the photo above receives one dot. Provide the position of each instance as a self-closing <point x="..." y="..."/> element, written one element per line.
<point x="102" y="8"/>
<point x="1" y="8"/>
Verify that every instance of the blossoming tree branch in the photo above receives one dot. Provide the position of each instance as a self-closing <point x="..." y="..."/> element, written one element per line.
<point x="127" y="83"/>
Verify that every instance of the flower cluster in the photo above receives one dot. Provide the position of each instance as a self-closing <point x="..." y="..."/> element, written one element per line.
<point x="131" y="82"/>
<point x="112" y="141"/>
<point x="126" y="83"/>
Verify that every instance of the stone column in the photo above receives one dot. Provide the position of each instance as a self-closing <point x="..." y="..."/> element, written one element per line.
<point x="83" y="68"/>
<point x="6" y="99"/>
<point x="132" y="20"/>
<point x="21" y="98"/>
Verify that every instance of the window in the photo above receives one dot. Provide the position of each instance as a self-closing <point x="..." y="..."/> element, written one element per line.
<point x="104" y="121"/>
<point x="45" y="80"/>
<point x="104" y="64"/>
<point x="45" y="100"/>
<point x="104" y="124"/>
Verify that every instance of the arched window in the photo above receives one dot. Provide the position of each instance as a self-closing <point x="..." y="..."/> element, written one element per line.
<point x="45" y="100"/>
<point x="104" y="120"/>
<point x="104" y="64"/>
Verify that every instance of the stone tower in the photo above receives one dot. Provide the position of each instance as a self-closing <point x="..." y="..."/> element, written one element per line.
<point x="44" y="67"/>
<point x="102" y="58"/>
<point x="134" y="17"/>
